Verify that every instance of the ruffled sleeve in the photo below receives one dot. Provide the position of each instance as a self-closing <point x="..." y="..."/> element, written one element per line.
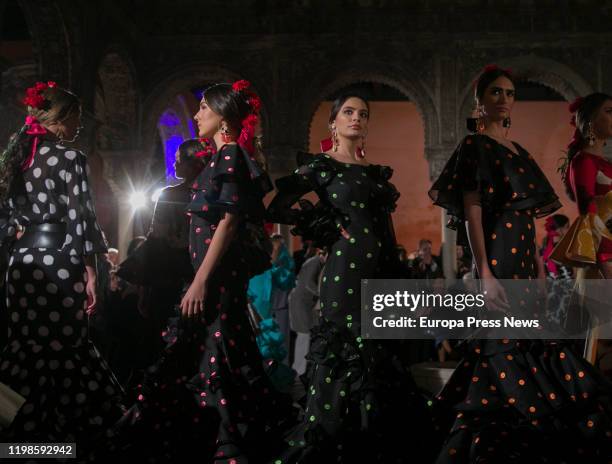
<point x="384" y="193"/>
<point x="579" y="246"/>
<point x="462" y="173"/>
<point x="503" y="180"/>
<point x="320" y="223"/>
<point x="83" y="234"/>
<point x="583" y="177"/>
<point x="231" y="182"/>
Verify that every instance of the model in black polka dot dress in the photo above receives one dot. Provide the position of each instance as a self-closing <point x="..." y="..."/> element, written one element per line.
<point x="209" y="393"/>
<point x="69" y="392"/>
<point x="516" y="400"/>
<point x="357" y="388"/>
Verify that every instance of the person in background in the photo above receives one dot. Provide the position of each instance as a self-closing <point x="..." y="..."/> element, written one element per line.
<point x="303" y="306"/>
<point x="307" y="251"/>
<point x="426" y="265"/>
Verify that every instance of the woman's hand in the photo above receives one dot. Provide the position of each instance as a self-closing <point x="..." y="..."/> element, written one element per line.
<point x="494" y="294"/>
<point x="92" y="299"/>
<point x="192" y="303"/>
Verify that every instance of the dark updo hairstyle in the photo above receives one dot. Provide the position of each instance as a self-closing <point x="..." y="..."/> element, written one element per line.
<point x="233" y="107"/>
<point x="59" y="104"/>
<point x="341" y="100"/>
<point x="489" y="74"/>
<point x="188" y="150"/>
<point x="585" y="113"/>
<point x="487" y="77"/>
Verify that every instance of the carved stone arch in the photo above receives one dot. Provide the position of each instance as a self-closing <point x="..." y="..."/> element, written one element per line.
<point x="51" y="41"/>
<point x="550" y="73"/>
<point x="164" y="92"/>
<point x="116" y="102"/>
<point x="383" y="73"/>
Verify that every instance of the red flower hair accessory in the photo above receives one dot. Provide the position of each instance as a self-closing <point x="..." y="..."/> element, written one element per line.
<point x="208" y="149"/>
<point x="576" y="104"/>
<point x="245" y="139"/>
<point x="34" y="98"/>
<point x="240" y="85"/>
<point x="494" y="67"/>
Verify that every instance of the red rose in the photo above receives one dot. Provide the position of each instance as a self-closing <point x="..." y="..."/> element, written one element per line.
<point x="241" y="85"/>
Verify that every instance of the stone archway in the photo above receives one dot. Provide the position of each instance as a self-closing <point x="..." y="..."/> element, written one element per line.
<point x="116" y="129"/>
<point x="550" y="73"/>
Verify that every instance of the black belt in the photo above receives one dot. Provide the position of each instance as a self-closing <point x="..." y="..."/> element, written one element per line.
<point x="42" y="236"/>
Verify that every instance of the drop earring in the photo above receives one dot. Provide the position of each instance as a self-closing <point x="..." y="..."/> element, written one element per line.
<point x="334" y="138"/>
<point x="225" y="133"/>
<point x="361" y="152"/>
<point x="591" y="135"/>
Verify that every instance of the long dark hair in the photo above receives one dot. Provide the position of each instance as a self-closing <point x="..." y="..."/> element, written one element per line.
<point x="586" y="109"/>
<point x="59" y="104"/>
<point x="341" y="100"/>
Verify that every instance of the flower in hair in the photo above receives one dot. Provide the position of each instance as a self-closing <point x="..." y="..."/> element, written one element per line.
<point x="575" y="105"/>
<point x="208" y="149"/>
<point x="494" y="67"/>
<point x="240" y="85"/>
<point x="255" y="103"/>
<point x="34" y="96"/>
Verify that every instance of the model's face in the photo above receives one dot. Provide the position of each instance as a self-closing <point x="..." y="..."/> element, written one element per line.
<point x="498" y="99"/>
<point x="602" y="122"/>
<point x="69" y="128"/>
<point x="207" y="120"/>
<point x="352" y="119"/>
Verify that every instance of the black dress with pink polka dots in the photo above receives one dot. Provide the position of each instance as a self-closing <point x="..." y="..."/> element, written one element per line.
<point x="515" y="400"/>
<point x="209" y="396"/>
<point x="70" y="394"/>
<point x="358" y="390"/>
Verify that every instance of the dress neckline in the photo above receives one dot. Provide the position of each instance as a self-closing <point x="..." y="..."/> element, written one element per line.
<point x="516" y="145"/>
<point x="344" y="163"/>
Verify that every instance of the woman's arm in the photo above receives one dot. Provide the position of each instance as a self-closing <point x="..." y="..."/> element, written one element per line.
<point x="90" y="289"/>
<point x="193" y="301"/>
<point x="473" y="217"/>
<point x="495" y="295"/>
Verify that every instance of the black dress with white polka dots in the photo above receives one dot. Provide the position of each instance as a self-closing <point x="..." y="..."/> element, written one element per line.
<point x="69" y="391"/>
<point x="209" y="394"/>
<point x="515" y="400"/>
<point x="357" y="388"/>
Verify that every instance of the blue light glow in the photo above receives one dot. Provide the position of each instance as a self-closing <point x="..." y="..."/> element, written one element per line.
<point x="172" y="144"/>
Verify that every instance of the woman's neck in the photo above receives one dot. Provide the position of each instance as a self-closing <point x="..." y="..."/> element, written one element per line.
<point x="596" y="149"/>
<point x="495" y="129"/>
<point x="347" y="150"/>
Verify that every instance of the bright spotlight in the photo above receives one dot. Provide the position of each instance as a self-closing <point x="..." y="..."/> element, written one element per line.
<point x="138" y="200"/>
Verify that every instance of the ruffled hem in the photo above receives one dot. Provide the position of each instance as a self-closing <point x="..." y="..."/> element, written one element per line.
<point x="579" y="245"/>
<point x="521" y="399"/>
<point x="359" y="390"/>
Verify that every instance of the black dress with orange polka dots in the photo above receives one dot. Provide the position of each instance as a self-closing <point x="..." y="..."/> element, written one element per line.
<point x="70" y="394"/>
<point x="209" y="396"/>
<point x="358" y="390"/>
<point x="515" y="400"/>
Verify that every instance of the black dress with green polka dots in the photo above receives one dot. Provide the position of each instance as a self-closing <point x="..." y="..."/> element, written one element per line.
<point x="515" y="400"/>
<point x="358" y="390"/>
